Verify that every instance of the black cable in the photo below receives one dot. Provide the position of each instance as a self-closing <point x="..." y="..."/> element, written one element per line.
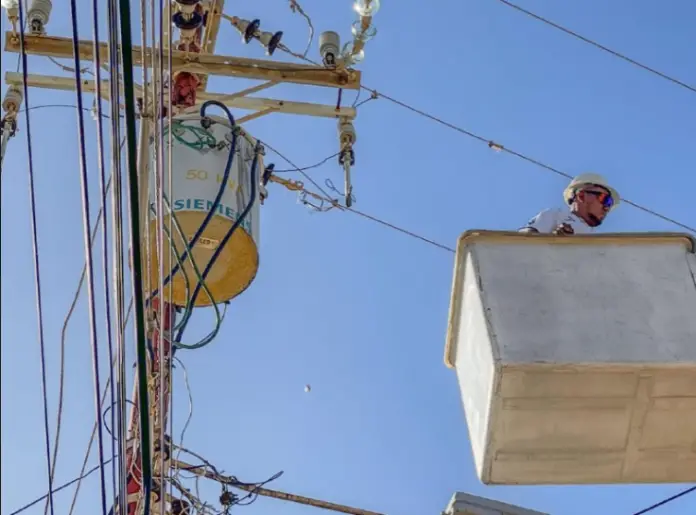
<point x="665" y="501"/>
<point x="35" y="244"/>
<point x="117" y="218"/>
<point x="110" y="409"/>
<point x="96" y="43"/>
<point x="228" y="235"/>
<point x="305" y="168"/>
<point x="524" y="157"/>
<point x="601" y="47"/>
<point x="126" y="51"/>
<point x="87" y="226"/>
<point x="253" y="494"/>
<point x="389" y="225"/>
<point x="62" y="487"/>
<point x="71" y="106"/>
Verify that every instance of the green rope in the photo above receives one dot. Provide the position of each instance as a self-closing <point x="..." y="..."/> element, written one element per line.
<point x="137" y="272"/>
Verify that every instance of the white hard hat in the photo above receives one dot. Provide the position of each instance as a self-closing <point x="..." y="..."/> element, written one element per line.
<point x="587" y="179"/>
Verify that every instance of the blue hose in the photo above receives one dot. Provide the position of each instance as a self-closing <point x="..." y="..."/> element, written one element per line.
<point x="228" y="235"/>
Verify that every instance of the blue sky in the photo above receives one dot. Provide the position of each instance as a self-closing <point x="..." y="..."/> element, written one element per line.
<point x="354" y="309"/>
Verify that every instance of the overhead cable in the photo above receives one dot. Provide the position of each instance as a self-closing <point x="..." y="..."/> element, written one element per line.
<point x="327" y="198"/>
<point x="37" y="272"/>
<point x="103" y="191"/>
<point x="61" y="487"/>
<point x="89" y="260"/>
<point x="63" y="341"/>
<point x="136" y="254"/>
<point x="494" y="145"/>
<point x="117" y="247"/>
<point x="666" y="501"/>
<point x="600" y="46"/>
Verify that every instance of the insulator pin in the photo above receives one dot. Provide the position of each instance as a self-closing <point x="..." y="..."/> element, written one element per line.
<point x="13" y="100"/>
<point x="39" y="15"/>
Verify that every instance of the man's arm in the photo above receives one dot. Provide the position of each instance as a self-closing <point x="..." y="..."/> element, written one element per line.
<point x="544" y="222"/>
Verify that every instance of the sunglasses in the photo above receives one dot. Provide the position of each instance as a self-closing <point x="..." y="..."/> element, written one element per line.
<point x="604" y="198"/>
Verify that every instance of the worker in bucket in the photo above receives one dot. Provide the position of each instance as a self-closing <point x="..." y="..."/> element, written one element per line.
<point x="589" y="198"/>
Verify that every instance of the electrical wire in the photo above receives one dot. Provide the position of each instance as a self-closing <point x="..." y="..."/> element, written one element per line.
<point x="118" y="260"/>
<point x="497" y="146"/>
<point x="61" y="487"/>
<point x="92" y="310"/>
<point x="37" y="272"/>
<point x="68" y="69"/>
<point x="164" y="357"/>
<point x="597" y="45"/>
<point x="190" y="399"/>
<point x="220" y="193"/>
<point x="209" y="46"/>
<point x="327" y="198"/>
<point x="189" y="304"/>
<point x="666" y="501"/>
<point x="63" y="341"/>
<point x="96" y="44"/>
<point x="137" y="272"/>
<point x="240" y="219"/>
<point x="310" y="167"/>
<point x="71" y="106"/>
<point x="81" y="476"/>
<point x="376" y="94"/>
<point x="295" y="7"/>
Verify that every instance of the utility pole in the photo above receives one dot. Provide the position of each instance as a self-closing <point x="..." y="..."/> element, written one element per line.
<point x="193" y="62"/>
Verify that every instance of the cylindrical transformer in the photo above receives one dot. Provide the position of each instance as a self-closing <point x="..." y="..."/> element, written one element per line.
<point x="199" y="155"/>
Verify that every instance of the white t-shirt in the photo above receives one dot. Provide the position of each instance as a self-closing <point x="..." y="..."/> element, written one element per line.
<point x="549" y="219"/>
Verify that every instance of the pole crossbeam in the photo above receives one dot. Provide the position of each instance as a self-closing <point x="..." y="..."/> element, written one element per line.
<point x="202" y="471"/>
<point x="233" y="100"/>
<point x="200" y="64"/>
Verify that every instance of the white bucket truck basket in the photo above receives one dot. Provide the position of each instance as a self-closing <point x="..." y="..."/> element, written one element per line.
<point x="576" y="356"/>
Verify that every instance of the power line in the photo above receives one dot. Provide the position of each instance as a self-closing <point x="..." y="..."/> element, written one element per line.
<point x="449" y="249"/>
<point x="492" y="144"/>
<point x="496" y="146"/>
<point x="665" y="501"/>
<point x="62" y="487"/>
<point x="37" y="268"/>
<point x="600" y="46"/>
<point x="327" y="198"/>
<point x="310" y="167"/>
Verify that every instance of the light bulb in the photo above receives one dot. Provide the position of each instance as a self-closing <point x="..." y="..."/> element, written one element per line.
<point x="10" y="4"/>
<point x="363" y="35"/>
<point x="366" y="7"/>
